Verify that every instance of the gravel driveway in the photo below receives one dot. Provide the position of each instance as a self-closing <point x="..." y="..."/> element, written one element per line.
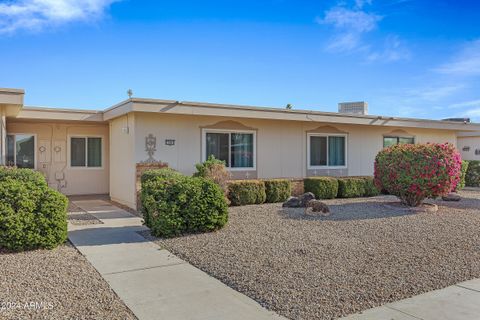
<point x="363" y="255"/>
<point x="55" y="284"/>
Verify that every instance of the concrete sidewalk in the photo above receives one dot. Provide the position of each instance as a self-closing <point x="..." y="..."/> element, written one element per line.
<point x="457" y="302"/>
<point x="152" y="282"/>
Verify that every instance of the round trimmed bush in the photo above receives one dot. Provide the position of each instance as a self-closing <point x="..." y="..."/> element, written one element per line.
<point x="472" y="177"/>
<point x="321" y="187"/>
<point x="277" y="190"/>
<point x="183" y="204"/>
<point x="243" y="192"/>
<point x="32" y="215"/>
<point x="416" y="172"/>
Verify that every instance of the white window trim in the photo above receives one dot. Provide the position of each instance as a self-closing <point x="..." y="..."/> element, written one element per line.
<point x="15" y="147"/>
<point x="86" y="167"/>
<point x="309" y="135"/>
<point x="204" y="146"/>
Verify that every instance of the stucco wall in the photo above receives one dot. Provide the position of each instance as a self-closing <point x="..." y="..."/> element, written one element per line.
<point x="122" y="166"/>
<point x="281" y="145"/>
<point x="54" y="162"/>
<point x="473" y="143"/>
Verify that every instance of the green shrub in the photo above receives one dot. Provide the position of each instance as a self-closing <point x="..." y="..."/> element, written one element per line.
<point x="370" y="189"/>
<point x="214" y="170"/>
<point x="461" y="183"/>
<point x="163" y="173"/>
<point x="414" y="172"/>
<point x="32" y="215"/>
<point x="351" y="187"/>
<point x="277" y="190"/>
<point x="23" y="175"/>
<point x="321" y="187"/>
<point x="179" y="204"/>
<point x="246" y="192"/>
<point x="472" y="177"/>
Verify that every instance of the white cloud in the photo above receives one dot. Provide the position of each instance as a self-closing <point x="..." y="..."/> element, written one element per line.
<point x="474" y="113"/>
<point x="351" y="27"/>
<point x="360" y="3"/>
<point x="466" y="62"/>
<point x="357" y="21"/>
<point x="471" y="103"/>
<point x="434" y="93"/>
<point x="394" y="50"/>
<point x="38" y="14"/>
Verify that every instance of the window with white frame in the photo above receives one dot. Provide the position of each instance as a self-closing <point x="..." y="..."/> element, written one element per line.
<point x="86" y="152"/>
<point x="21" y="150"/>
<point x="393" y="140"/>
<point x="327" y="150"/>
<point x="235" y="148"/>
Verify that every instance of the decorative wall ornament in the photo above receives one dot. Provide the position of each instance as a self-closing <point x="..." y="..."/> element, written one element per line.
<point x="477" y="152"/>
<point x="57" y="149"/>
<point x="150" y="148"/>
<point x="466" y="149"/>
<point x="42" y="149"/>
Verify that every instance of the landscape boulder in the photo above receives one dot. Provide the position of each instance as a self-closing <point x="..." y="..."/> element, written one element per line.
<point x="299" y="202"/>
<point x="306" y="198"/>
<point x="319" y="207"/>
<point x="292" y="202"/>
<point x="451" y="197"/>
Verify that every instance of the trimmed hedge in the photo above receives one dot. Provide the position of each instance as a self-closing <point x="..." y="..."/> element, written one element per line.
<point x="472" y="177"/>
<point x="351" y="187"/>
<point x="32" y="215"/>
<point x="163" y="173"/>
<point x="277" y="190"/>
<point x="463" y="174"/>
<point x="321" y="187"/>
<point x="179" y="204"/>
<point x="370" y="189"/>
<point x="245" y="192"/>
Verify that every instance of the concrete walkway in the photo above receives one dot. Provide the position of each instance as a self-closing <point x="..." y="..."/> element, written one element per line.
<point x="152" y="282"/>
<point x="457" y="302"/>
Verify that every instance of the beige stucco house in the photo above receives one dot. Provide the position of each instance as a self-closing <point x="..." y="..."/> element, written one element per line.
<point x="97" y="152"/>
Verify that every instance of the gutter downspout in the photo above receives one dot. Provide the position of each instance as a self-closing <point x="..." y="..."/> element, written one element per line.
<point x="3" y="137"/>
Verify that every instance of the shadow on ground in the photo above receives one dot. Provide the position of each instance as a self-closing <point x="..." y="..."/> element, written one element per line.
<point x="106" y="236"/>
<point x="346" y="212"/>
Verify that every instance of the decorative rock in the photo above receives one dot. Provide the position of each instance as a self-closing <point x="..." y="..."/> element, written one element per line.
<point x="451" y="197"/>
<point x="319" y="206"/>
<point x="306" y="198"/>
<point x="292" y="202"/>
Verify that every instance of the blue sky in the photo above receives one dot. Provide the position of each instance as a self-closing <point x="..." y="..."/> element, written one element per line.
<point x="405" y="57"/>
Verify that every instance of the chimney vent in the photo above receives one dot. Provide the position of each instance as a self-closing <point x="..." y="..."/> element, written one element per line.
<point x="360" y="107"/>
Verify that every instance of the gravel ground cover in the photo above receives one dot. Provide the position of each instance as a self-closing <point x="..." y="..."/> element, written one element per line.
<point x="55" y="284"/>
<point x="363" y="255"/>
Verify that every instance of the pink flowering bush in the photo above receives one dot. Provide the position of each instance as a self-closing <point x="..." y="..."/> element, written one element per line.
<point x="415" y="172"/>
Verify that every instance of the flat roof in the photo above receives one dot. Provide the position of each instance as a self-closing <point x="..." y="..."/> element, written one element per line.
<point x="245" y="111"/>
<point x="229" y="110"/>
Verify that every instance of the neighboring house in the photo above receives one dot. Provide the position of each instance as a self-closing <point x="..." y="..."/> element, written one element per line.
<point x="92" y="152"/>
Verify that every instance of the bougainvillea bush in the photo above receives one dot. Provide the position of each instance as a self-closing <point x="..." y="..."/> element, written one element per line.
<point x="415" y="172"/>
